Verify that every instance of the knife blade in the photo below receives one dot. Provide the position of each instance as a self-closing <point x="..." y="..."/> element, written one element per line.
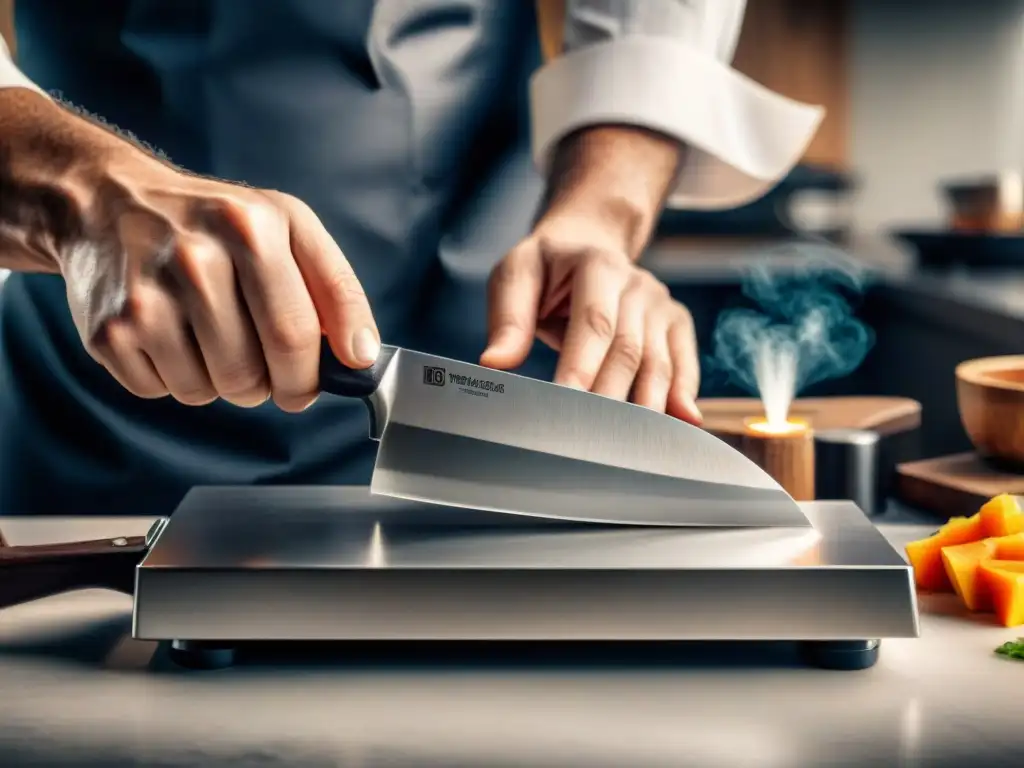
<point x="461" y="435"/>
<point x="36" y="571"/>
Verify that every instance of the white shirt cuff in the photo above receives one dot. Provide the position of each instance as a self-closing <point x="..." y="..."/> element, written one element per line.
<point x="742" y="138"/>
<point x="10" y="75"/>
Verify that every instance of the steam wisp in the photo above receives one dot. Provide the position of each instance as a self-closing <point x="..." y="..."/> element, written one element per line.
<point x="800" y="330"/>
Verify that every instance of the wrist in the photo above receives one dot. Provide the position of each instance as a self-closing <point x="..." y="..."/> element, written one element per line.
<point x="617" y="178"/>
<point x="51" y="169"/>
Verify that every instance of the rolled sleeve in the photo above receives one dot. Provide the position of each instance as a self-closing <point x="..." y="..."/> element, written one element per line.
<point x="664" y="65"/>
<point x="10" y="75"/>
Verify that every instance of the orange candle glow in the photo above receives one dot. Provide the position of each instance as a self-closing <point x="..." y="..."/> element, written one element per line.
<point x="760" y="426"/>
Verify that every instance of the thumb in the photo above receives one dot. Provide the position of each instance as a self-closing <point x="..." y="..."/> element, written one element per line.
<point x="514" y="295"/>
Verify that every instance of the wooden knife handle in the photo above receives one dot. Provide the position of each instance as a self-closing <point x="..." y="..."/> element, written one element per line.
<point x="32" y="572"/>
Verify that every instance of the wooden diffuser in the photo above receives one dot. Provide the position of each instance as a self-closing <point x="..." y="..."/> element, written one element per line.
<point x="786" y="453"/>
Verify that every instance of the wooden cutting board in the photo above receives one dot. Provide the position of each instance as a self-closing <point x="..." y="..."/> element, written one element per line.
<point x="723" y="416"/>
<point x="953" y="485"/>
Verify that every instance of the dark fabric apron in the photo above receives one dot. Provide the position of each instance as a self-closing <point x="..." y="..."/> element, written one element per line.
<point x="402" y="123"/>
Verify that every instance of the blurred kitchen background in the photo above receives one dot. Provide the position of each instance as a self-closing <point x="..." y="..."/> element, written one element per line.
<point x="921" y="95"/>
<point x="915" y="173"/>
<point x="918" y="93"/>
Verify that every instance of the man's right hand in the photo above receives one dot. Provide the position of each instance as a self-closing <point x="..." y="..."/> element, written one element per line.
<point x="181" y="285"/>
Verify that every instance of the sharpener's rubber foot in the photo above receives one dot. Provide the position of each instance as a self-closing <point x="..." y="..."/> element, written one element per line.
<point x="844" y="655"/>
<point x="200" y="655"/>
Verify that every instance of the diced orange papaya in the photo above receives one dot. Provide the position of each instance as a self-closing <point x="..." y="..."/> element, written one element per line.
<point x="925" y="555"/>
<point x="1010" y="547"/>
<point x="1001" y="516"/>
<point x="1004" y="581"/>
<point x="961" y="564"/>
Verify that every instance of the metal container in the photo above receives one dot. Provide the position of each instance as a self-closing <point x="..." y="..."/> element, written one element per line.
<point x="846" y="463"/>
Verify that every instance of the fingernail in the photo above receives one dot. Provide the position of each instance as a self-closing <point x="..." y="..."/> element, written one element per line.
<point x="365" y="346"/>
<point x="691" y="404"/>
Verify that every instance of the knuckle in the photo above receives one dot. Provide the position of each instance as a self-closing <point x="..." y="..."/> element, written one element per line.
<point x="195" y="396"/>
<point x="241" y="221"/>
<point x="251" y="209"/>
<point x="652" y="284"/>
<point x="599" y="321"/>
<point x="144" y="311"/>
<point x="521" y="263"/>
<point x="603" y="258"/>
<point x="293" y="334"/>
<point x="659" y="370"/>
<point x="346" y="288"/>
<point x="579" y="373"/>
<point x="249" y="398"/>
<point x="293" y="403"/>
<point x="243" y="384"/>
<point x="282" y="201"/>
<point x="519" y="259"/>
<point x="628" y="352"/>
<point x="194" y="259"/>
<point x="142" y="391"/>
<point x="684" y="320"/>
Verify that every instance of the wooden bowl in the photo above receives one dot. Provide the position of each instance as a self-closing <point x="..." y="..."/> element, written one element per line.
<point x="990" y="397"/>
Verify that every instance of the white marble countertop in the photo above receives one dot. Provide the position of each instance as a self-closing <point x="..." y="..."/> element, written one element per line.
<point x="75" y="690"/>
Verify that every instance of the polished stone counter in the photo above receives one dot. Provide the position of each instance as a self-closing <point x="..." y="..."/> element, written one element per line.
<point x="77" y="691"/>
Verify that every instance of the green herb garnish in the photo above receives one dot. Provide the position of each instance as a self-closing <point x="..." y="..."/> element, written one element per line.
<point x="1013" y="649"/>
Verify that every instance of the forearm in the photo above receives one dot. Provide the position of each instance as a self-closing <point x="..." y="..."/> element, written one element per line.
<point x="48" y="174"/>
<point x="27" y="206"/>
<point x="663" y="66"/>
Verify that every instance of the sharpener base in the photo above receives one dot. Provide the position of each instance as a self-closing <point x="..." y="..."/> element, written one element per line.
<point x="237" y="567"/>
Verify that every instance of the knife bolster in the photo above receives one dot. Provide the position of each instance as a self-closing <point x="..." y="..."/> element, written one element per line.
<point x="377" y="410"/>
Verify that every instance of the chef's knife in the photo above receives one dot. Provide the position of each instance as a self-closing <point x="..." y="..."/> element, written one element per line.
<point x="33" y="572"/>
<point x="462" y="435"/>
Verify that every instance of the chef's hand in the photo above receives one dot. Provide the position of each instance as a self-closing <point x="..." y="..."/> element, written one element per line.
<point x="574" y="284"/>
<point x="187" y="286"/>
<point x="618" y="331"/>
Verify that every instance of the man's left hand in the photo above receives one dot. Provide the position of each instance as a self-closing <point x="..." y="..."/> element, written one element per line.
<point x="619" y="333"/>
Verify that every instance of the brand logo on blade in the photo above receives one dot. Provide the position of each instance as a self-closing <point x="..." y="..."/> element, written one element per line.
<point x="478" y="387"/>
<point x="433" y="376"/>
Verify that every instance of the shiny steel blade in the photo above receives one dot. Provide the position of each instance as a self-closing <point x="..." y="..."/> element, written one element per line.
<point x="463" y="435"/>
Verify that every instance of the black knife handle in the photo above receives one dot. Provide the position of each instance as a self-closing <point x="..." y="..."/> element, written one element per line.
<point x="336" y="378"/>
